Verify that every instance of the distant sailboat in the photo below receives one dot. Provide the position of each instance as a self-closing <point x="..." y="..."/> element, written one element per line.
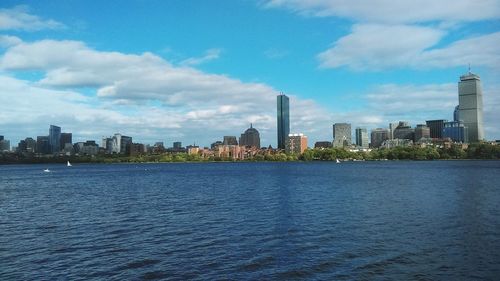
<point x="69" y="164"/>
<point x="338" y="161"/>
<point x="47" y="170"/>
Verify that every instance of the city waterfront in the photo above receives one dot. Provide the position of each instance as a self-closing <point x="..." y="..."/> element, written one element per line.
<point x="399" y="220"/>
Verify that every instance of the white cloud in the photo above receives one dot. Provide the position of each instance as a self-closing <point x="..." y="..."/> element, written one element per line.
<point x="8" y="41"/>
<point x="389" y="11"/>
<point x="210" y="54"/>
<point x="143" y="95"/>
<point x="377" y="47"/>
<point x="19" y="18"/>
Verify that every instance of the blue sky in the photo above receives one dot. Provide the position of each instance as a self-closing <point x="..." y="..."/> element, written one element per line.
<point x="195" y="71"/>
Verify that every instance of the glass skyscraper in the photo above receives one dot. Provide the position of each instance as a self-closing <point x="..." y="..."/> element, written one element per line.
<point x="283" y="120"/>
<point x="55" y="139"/>
<point x="470" y="105"/>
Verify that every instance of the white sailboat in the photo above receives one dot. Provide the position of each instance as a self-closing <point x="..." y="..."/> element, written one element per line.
<point x="47" y="170"/>
<point x="338" y="161"/>
<point x="68" y="164"/>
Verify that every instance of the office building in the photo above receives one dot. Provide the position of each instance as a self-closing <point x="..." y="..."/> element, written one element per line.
<point x="436" y="128"/>
<point x="42" y="145"/>
<point x="456" y="131"/>
<point x="30" y="145"/>
<point x="283" y="118"/>
<point x="296" y="143"/>
<point x="125" y="143"/>
<point x="470" y="105"/>
<point x="55" y="139"/>
<point x="177" y="145"/>
<point x="323" y="144"/>
<point x="422" y="132"/>
<point x="404" y="131"/>
<point x="397" y="143"/>
<point x="362" y="137"/>
<point x="230" y="140"/>
<point x="4" y="145"/>
<point x="378" y="136"/>
<point x="392" y="128"/>
<point x="456" y="113"/>
<point x="117" y="141"/>
<point x="342" y="135"/>
<point x="1" y="138"/>
<point x="66" y="138"/>
<point x="250" y="138"/>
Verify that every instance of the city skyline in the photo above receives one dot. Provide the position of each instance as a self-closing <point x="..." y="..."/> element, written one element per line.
<point x="95" y="76"/>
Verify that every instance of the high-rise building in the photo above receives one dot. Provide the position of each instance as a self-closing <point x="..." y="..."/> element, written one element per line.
<point x="250" y="137"/>
<point x="404" y="131"/>
<point x="296" y="143"/>
<point x="342" y="135"/>
<point x="1" y="138"/>
<point x="456" y="131"/>
<point x="362" y="138"/>
<point x="392" y="128"/>
<point x="117" y="142"/>
<point x="436" y="127"/>
<point x="470" y="105"/>
<point x="125" y="143"/>
<point x="456" y="113"/>
<point x="55" y="139"/>
<point x="30" y="144"/>
<point x="283" y="120"/>
<point x="230" y="140"/>
<point x="4" y="145"/>
<point x="422" y="132"/>
<point x="177" y="145"/>
<point x="378" y="136"/>
<point x="42" y="145"/>
<point x="66" y="138"/>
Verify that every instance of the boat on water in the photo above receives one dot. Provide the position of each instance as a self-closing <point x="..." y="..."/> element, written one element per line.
<point x="47" y="170"/>
<point x="337" y="161"/>
<point x="69" y="164"/>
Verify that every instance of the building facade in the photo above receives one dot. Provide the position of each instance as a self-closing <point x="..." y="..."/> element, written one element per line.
<point x="404" y="131"/>
<point x="342" y="135"/>
<point x="250" y="137"/>
<point x="362" y="137"/>
<point x="456" y="131"/>
<point x="378" y="136"/>
<point x="283" y="119"/>
<point x="66" y="138"/>
<point x="470" y="105"/>
<point x="55" y="139"/>
<point x="436" y="128"/>
<point x="422" y="132"/>
<point x="296" y="143"/>
<point x="230" y="140"/>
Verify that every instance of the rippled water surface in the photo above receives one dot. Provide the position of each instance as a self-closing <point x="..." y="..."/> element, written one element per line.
<point x="327" y="221"/>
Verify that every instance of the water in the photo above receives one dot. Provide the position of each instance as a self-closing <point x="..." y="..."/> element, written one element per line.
<point x="326" y="221"/>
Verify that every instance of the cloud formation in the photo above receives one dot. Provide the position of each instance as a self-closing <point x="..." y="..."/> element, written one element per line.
<point x="141" y="92"/>
<point x="394" y="12"/>
<point x="210" y="54"/>
<point x="19" y="18"/>
<point x="378" y="47"/>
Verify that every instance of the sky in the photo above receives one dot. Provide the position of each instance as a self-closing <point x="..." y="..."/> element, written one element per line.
<point x="195" y="71"/>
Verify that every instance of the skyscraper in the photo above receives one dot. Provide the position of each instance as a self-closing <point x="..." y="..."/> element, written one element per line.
<point x="230" y="140"/>
<point x="342" y="135"/>
<point x="283" y="120"/>
<point x="55" y="139"/>
<point x="66" y="138"/>
<point x="470" y="105"/>
<point x="361" y="137"/>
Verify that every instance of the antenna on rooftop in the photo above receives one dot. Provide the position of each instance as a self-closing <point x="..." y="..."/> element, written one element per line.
<point x="469" y="68"/>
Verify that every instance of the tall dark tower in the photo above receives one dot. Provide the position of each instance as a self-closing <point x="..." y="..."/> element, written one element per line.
<point x="283" y="120"/>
